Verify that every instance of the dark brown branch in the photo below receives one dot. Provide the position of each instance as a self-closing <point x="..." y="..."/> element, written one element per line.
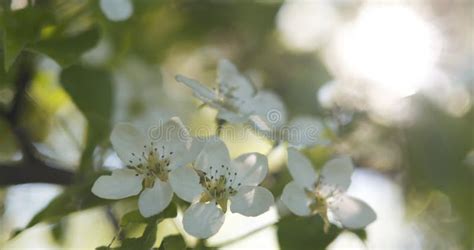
<point x="19" y="173"/>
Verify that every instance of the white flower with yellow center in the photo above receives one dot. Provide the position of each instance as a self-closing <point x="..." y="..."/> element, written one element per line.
<point x="310" y="194"/>
<point x="151" y="159"/>
<point x="215" y="181"/>
<point x="233" y="98"/>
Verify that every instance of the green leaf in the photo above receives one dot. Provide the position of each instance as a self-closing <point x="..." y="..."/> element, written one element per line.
<point x="173" y="242"/>
<point x="132" y="217"/>
<point x="308" y="233"/>
<point x="65" y="50"/>
<point x="148" y="238"/>
<point x="20" y="28"/>
<point x="91" y="91"/>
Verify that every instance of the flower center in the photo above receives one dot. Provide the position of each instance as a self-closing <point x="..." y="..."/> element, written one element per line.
<point x="322" y="196"/>
<point x="151" y="164"/>
<point x="219" y="185"/>
<point x="228" y="100"/>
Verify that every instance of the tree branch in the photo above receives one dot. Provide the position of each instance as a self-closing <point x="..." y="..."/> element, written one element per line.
<point x="19" y="173"/>
<point x="32" y="168"/>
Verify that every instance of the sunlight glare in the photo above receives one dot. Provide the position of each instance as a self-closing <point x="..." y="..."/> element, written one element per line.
<point x="391" y="47"/>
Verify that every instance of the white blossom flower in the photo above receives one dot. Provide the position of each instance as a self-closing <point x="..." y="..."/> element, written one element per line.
<point x="215" y="181"/>
<point x="233" y="97"/>
<point x="237" y="101"/>
<point x="310" y="194"/>
<point x="150" y="159"/>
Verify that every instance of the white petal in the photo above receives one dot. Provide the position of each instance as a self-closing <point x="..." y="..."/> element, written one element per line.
<point x="231" y="82"/>
<point x="173" y="140"/>
<point x="214" y="154"/>
<point x="295" y="198"/>
<point x="154" y="200"/>
<point x="128" y="141"/>
<point x="251" y="201"/>
<point x="116" y="10"/>
<point x="306" y="131"/>
<point x="185" y="183"/>
<point x="352" y="213"/>
<point x="203" y="220"/>
<point x="301" y="169"/>
<point x="200" y="91"/>
<point x="121" y="184"/>
<point x="269" y="107"/>
<point x="338" y="172"/>
<point x="252" y="168"/>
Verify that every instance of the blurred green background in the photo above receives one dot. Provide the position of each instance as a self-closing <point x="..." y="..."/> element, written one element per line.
<point x="395" y="79"/>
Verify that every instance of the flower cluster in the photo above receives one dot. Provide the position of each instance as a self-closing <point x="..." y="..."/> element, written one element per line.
<point x="200" y="171"/>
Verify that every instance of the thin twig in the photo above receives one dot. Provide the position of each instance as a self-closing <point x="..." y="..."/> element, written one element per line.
<point x="115" y="223"/>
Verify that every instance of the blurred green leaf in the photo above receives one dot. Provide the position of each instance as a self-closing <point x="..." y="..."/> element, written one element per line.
<point x="435" y="149"/>
<point x="20" y="28"/>
<point x="173" y="242"/>
<point x="3" y="74"/>
<point x="58" y="230"/>
<point x="148" y="238"/>
<point x="8" y="146"/>
<point x="132" y="217"/>
<point x="67" y="49"/>
<point x="308" y="233"/>
<point x="91" y="90"/>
